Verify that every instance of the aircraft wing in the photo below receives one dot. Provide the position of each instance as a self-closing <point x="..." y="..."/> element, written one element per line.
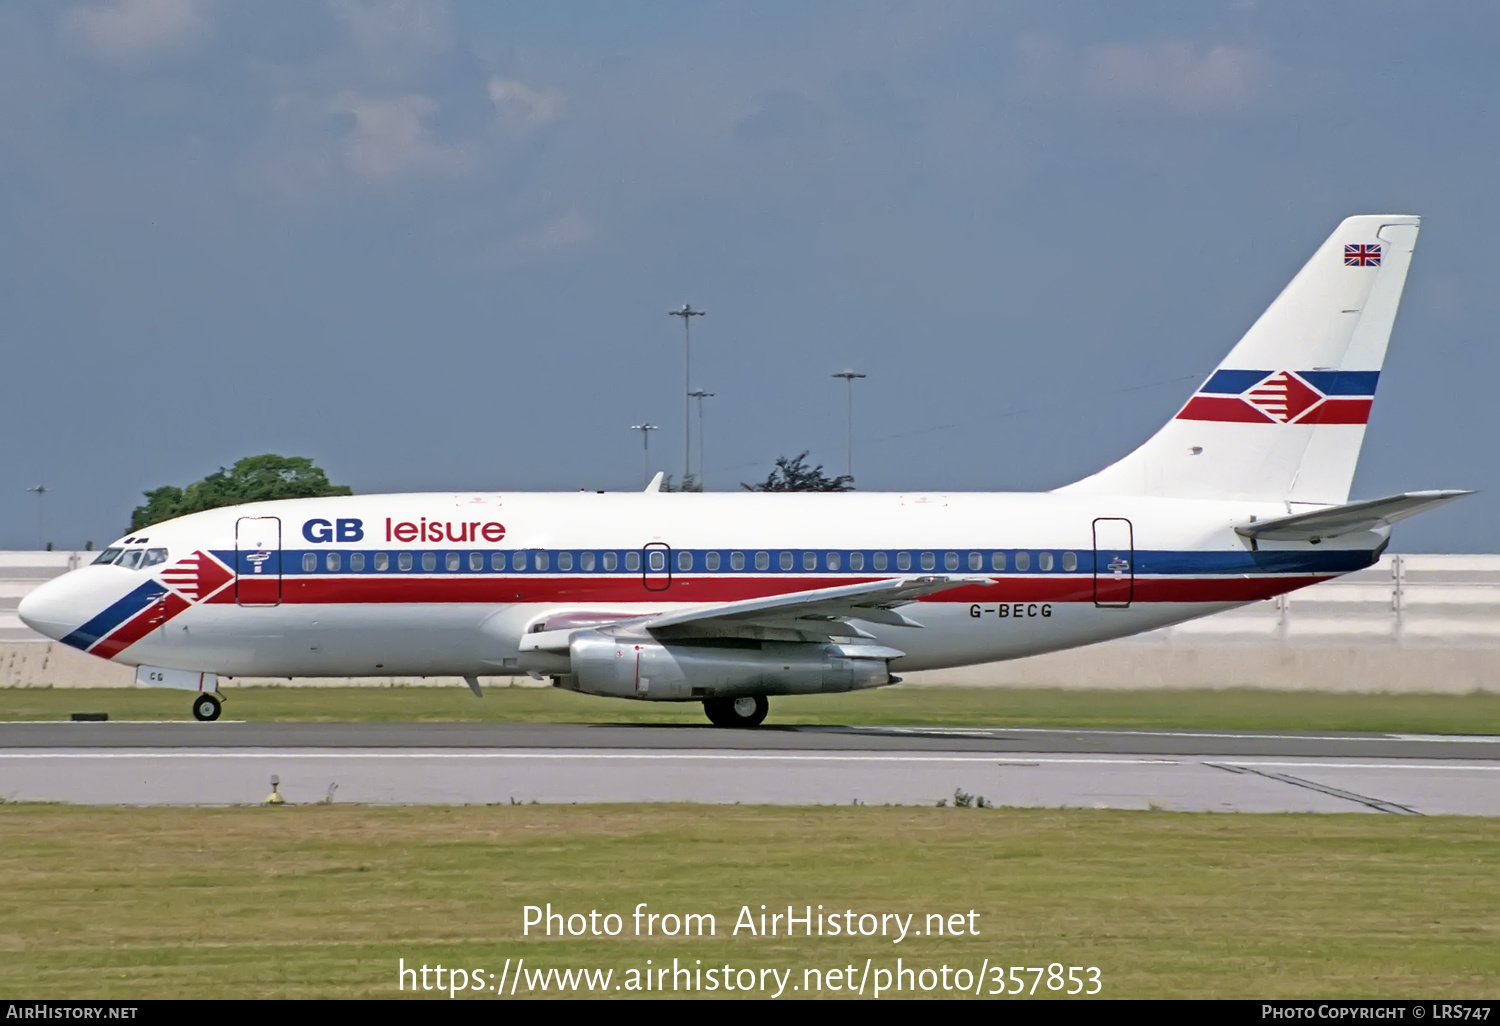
<point x="1347" y="519"/>
<point x="819" y="612"/>
<point x="873" y="601"/>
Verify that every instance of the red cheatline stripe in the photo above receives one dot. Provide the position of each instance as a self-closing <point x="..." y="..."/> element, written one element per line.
<point x="1339" y="411"/>
<point x="139" y="625"/>
<point x="630" y="590"/>
<point x="1222" y="408"/>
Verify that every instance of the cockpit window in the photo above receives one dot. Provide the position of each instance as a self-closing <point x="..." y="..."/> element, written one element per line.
<point x="108" y="556"/>
<point x="131" y="559"/>
<point x="153" y="557"/>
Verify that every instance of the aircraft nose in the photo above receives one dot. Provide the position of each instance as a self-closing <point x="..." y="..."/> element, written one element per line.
<point x="55" y="609"/>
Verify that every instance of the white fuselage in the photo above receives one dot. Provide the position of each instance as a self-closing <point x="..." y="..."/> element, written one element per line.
<point x="448" y="584"/>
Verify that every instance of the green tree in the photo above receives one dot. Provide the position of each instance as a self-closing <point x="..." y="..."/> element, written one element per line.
<point x="793" y="475"/>
<point x="252" y="479"/>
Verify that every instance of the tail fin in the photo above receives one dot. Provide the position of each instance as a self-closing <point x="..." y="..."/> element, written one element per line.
<point x="1283" y="417"/>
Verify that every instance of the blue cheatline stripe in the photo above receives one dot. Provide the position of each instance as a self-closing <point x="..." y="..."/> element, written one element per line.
<point x="100" y="626"/>
<point x="1233" y="382"/>
<point x="1329" y="382"/>
<point x="1331" y="561"/>
<point x="1353" y="383"/>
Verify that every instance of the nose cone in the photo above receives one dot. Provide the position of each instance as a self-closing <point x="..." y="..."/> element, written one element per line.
<point x="58" y="607"/>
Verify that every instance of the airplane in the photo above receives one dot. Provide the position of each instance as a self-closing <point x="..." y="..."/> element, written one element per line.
<point x="730" y="598"/>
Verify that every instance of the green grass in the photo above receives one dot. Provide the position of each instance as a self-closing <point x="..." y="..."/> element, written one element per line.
<point x="1238" y="709"/>
<point x="321" y="901"/>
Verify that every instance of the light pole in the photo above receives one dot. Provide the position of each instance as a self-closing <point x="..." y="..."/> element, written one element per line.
<point x="700" y="395"/>
<point x="41" y="514"/>
<point x="643" y="428"/>
<point x="849" y="376"/>
<point x="687" y="313"/>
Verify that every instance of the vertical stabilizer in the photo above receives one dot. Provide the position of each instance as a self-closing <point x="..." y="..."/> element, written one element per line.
<point x="1283" y="417"/>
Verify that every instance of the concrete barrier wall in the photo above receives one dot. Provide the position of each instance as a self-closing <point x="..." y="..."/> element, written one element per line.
<point x="1421" y="623"/>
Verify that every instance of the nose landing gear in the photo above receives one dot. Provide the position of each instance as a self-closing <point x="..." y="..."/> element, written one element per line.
<point x="749" y="711"/>
<point x="207" y="707"/>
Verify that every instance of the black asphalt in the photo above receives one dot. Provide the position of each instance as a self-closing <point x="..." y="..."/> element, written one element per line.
<point x="821" y="738"/>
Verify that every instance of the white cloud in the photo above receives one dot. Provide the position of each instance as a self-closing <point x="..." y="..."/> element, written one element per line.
<point x="389" y="140"/>
<point x="1175" y="75"/>
<point x="518" y="103"/>
<point x="130" y="29"/>
<point x="397" y="30"/>
<point x="563" y="232"/>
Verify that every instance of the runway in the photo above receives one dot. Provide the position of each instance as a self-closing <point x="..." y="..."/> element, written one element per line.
<point x="173" y="763"/>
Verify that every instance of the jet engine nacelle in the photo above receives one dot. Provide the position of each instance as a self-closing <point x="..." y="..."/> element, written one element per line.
<point x="689" y="669"/>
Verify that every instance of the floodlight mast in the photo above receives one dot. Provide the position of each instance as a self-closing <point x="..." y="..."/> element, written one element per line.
<point x="41" y="514"/>
<point x="687" y="313"/>
<point x="700" y="395"/>
<point x="644" y="427"/>
<point x="849" y="376"/>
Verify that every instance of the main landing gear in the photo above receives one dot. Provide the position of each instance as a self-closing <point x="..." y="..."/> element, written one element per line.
<point x="207" y="707"/>
<point x="737" y="712"/>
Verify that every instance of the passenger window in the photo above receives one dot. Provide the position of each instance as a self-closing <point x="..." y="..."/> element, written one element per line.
<point x="131" y="559"/>
<point x="1023" y="561"/>
<point x="108" y="556"/>
<point x="518" y="561"/>
<point x="632" y="561"/>
<point x="684" y="560"/>
<point x="611" y="561"/>
<point x="881" y="561"/>
<point x="762" y="561"/>
<point x="543" y="561"/>
<point x="736" y="561"/>
<point x="586" y="561"/>
<point x="785" y="560"/>
<point x="950" y="561"/>
<point x="476" y="561"/>
<point x="976" y="561"/>
<point x="929" y="561"/>
<point x="856" y="561"/>
<point x="657" y="560"/>
<point x="334" y="561"/>
<point x="1070" y="561"/>
<point x="1044" y="561"/>
<point x="809" y="560"/>
<point x="497" y="561"/>
<point x="429" y="561"/>
<point x="565" y="560"/>
<point x="451" y="561"/>
<point x="403" y="561"/>
<point x="153" y="557"/>
<point x="356" y="561"/>
<point x="832" y="560"/>
<point x="711" y="561"/>
<point x="903" y="561"/>
<point x="382" y="561"/>
<point x="997" y="561"/>
<point x="309" y="562"/>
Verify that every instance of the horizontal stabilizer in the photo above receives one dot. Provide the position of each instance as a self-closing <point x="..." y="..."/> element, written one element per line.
<point x="1348" y="519"/>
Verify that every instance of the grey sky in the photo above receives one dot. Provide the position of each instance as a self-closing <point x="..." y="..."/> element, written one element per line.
<point x="433" y="245"/>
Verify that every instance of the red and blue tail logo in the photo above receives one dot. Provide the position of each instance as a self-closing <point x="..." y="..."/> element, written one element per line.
<point x="1284" y="397"/>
